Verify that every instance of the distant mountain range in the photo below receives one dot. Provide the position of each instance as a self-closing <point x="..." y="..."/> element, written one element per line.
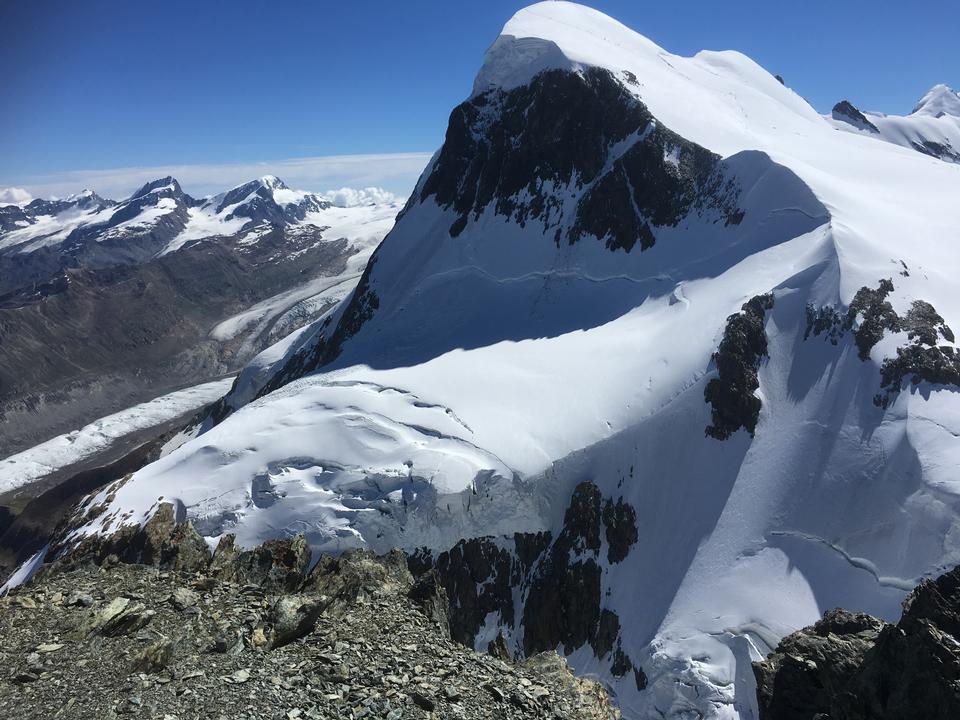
<point x="107" y="303"/>
<point x="933" y="128"/>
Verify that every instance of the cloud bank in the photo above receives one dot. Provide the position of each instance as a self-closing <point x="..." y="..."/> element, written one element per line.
<point x="14" y="196"/>
<point x="352" y="197"/>
<point x="395" y="172"/>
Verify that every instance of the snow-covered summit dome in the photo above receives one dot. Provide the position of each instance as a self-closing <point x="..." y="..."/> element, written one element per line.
<point x="273" y="182"/>
<point x="940" y="100"/>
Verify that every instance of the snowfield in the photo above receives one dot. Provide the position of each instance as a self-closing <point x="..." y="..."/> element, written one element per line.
<point x="499" y="370"/>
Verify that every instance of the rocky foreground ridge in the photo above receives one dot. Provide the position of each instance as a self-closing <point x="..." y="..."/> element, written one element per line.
<point x="174" y="633"/>
<point x="852" y="666"/>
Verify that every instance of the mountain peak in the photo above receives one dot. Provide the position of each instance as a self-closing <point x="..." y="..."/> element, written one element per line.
<point x="940" y="100"/>
<point x="847" y="112"/>
<point x="555" y="35"/>
<point x="273" y="182"/>
<point x="159" y="185"/>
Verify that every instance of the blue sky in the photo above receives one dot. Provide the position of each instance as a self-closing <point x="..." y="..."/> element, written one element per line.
<point x="92" y="87"/>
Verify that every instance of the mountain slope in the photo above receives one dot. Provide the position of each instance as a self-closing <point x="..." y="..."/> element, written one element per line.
<point x="159" y="292"/>
<point x="641" y="338"/>
<point x="933" y="128"/>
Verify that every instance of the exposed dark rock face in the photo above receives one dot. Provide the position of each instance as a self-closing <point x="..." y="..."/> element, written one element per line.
<point x="512" y="152"/>
<point x="846" y="112"/>
<point x="924" y="324"/>
<point x="941" y="151"/>
<point x="281" y="563"/>
<point x="555" y="582"/>
<point x="731" y="395"/>
<point x="620" y="520"/>
<point x="873" y="315"/>
<point x="578" y="130"/>
<point x="825" y="321"/>
<point x="563" y="601"/>
<point x="937" y="365"/>
<point x="870" y="316"/>
<point x="855" y="667"/>
<point x="161" y="541"/>
<point x="477" y="578"/>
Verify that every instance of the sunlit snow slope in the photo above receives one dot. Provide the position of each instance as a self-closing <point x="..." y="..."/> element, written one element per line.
<point x="933" y="128"/>
<point x="545" y="312"/>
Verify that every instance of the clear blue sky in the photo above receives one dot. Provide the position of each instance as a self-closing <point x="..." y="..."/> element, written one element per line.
<point x="98" y="85"/>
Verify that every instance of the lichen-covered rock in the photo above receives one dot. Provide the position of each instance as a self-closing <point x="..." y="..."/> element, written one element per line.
<point x="121" y="616"/>
<point x="292" y="617"/>
<point x="163" y="540"/>
<point x="281" y="563"/>
<point x="359" y="574"/>
<point x="377" y="656"/>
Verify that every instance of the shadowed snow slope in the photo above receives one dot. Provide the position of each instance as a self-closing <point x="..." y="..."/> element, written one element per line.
<point x="546" y="311"/>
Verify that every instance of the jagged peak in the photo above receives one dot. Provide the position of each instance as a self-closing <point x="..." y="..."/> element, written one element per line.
<point x="272" y="182"/>
<point x="939" y="100"/>
<point x="159" y="185"/>
<point x="847" y="112"/>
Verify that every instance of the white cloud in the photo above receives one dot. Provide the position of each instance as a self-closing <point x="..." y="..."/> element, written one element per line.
<point x="351" y="197"/>
<point x="14" y="196"/>
<point x="395" y="172"/>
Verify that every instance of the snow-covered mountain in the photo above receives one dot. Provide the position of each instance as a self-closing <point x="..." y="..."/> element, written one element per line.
<point x="933" y="128"/>
<point x="161" y="291"/>
<point x="654" y="367"/>
<point x="157" y="219"/>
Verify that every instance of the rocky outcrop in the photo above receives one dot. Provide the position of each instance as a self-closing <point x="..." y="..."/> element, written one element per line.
<point x="851" y="666"/>
<point x="280" y="564"/>
<point x="845" y="111"/>
<point x="584" y="131"/>
<point x="83" y="641"/>
<point x="870" y="316"/>
<point x="161" y="541"/>
<point x="940" y="150"/>
<point x="731" y="394"/>
<point x="545" y="591"/>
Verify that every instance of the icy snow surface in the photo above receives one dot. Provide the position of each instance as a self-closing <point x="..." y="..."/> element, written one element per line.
<point x="500" y="370"/>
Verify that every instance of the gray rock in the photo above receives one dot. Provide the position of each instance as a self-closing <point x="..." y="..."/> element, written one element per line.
<point x="120" y="616"/>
